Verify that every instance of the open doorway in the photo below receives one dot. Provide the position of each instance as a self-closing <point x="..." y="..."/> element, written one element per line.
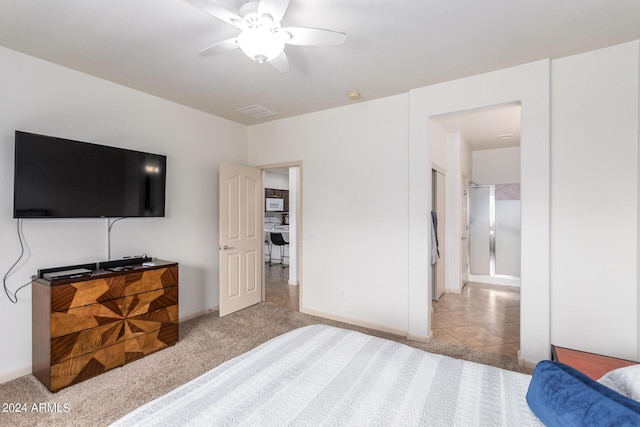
<point x="482" y="153"/>
<point x="281" y="286"/>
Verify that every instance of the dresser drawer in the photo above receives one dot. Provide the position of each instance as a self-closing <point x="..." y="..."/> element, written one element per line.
<point x="150" y="342"/>
<point x="78" y="294"/>
<point x="151" y="321"/>
<point x="77" y="319"/>
<point x="84" y="342"/>
<point x="76" y="369"/>
<point x="78" y="340"/>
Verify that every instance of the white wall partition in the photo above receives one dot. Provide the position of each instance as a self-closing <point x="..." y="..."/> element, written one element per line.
<point x="354" y="207"/>
<point x="457" y="154"/>
<point x="595" y="240"/>
<point x="529" y="84"/>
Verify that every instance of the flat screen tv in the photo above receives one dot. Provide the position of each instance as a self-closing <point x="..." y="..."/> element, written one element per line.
<point x="61" y="178"/>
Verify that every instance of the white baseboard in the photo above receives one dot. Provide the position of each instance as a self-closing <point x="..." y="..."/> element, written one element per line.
<point x="294" y="282"/>
<point x="355" y="322"/>
<point x="501" y="281"/>
<point x="418" y="338"/>
<point x="452" y="291"/>
<point x="9" y="376"/>
<point x="525" y="363"/>
<point x="198" y="313"/>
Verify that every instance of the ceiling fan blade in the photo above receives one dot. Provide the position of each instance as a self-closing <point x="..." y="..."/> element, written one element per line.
<point x="302" y="36"/>
<point x="217" y="11"/>
<point x="275" y="8"/>
<point x="223" y="46"/>
<point x="280" y="63"/>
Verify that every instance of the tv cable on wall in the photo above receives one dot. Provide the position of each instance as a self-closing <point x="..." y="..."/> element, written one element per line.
<point x="14" y="298"/>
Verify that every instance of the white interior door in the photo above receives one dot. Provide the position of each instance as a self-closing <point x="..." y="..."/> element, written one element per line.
<point x="241" y="237"/>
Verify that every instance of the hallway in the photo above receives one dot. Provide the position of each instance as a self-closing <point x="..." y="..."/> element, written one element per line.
<point x="486" y="317"/>
<point x="277" y="290"/>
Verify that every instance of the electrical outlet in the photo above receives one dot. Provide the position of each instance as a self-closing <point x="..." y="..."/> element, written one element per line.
<point x="341" y="294"/>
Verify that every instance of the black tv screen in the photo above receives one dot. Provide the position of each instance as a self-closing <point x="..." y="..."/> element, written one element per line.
<point x="61" y="178"/>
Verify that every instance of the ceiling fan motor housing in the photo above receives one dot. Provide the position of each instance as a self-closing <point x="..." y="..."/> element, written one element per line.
<point x="249" y="12"/>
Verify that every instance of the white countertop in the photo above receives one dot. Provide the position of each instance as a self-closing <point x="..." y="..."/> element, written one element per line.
<point x="277" y="229"/>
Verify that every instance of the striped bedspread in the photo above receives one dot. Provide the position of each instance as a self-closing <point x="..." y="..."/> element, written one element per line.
<point x="322" y="375"/>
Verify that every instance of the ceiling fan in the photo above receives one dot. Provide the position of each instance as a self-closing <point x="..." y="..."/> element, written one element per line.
<point x="261" y="37"/>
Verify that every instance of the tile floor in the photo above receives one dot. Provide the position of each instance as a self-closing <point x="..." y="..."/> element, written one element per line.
<point x="277" y="290"/>
<point x="486" y="317"/>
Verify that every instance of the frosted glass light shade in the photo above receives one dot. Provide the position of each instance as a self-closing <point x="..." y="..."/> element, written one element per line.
<point x="260" y="44"/>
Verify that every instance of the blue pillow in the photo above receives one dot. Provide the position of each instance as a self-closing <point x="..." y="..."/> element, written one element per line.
<point x="562" y="396"/>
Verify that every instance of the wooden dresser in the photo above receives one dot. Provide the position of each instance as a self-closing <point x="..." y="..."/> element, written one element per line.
<point x="86" y="326"/>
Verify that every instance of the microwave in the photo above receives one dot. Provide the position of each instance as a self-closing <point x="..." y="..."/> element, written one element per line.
<point x="274" y="205"/>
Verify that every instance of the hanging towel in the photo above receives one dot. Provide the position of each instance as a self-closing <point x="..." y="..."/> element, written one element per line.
<point x="435" y="251"/>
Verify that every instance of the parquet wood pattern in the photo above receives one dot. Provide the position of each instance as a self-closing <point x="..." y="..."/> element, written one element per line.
<point x="99" y="324"/>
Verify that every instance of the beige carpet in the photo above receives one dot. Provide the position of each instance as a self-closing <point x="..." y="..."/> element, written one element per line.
<point x="204" y="343"/>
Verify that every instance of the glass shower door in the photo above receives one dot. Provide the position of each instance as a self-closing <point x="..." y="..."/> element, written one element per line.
<point x="479" y="226"/>
<point x="507" y="247"/>
<point x="494" y="230"/>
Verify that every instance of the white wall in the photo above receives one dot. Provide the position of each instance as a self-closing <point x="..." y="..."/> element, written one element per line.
<point x="595" y="201"/>
<point x="529" y="84"/>
<point x="354" y="206"/>
<point x="458" y="153"/>
<point x="40" y="97"/>
<point x="438" y="146"/>
<point x="279" y="181"/>
<point x="498" y="166"/>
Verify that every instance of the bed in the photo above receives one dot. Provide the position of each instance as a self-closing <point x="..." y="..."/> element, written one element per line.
<point x="323" y="375"/>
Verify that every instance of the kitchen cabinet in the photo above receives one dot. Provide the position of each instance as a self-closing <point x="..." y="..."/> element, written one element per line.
<point x="273" y="193"/>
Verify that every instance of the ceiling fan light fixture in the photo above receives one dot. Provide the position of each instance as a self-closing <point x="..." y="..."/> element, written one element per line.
<point x="262" y="37"/>
<point x="260" y="44"/>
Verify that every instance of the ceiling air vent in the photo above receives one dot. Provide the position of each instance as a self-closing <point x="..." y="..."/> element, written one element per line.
<point x="256" y="111"/>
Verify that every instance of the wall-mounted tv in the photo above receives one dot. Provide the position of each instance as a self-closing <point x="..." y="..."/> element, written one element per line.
<point x="61" y="178"/>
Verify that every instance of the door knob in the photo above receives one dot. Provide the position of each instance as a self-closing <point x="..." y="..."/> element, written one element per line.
<point x="225" y="247"/>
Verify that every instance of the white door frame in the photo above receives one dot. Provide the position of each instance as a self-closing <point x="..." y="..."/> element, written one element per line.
<point x="297" y="219"/>
<point x="464" y="232"/>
